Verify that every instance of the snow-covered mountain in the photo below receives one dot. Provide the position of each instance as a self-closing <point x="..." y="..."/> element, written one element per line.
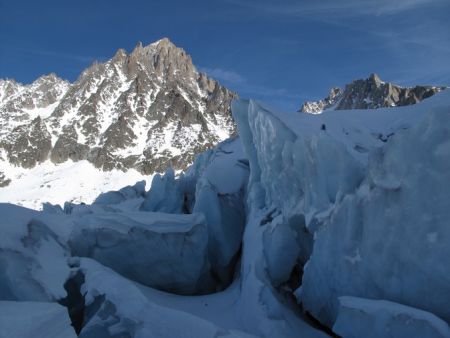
<point x="370" y="93"/>
<point x="288" y="230"/>
<point x="146" y="110"/>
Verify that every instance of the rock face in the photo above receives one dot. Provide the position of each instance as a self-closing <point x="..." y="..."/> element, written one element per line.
<point x="147" y="110"/>
<point x="3" y="180"/>
<point x="369" y="93"/>
<point x="316" y="107"/>
<point x="28" y="144"/>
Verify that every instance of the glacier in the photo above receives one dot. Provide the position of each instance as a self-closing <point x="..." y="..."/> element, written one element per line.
<point x="34" y="319"/>
<point x="359" y="317"/>
<point x="301" y="226"/>
<point x="167" y="251"/>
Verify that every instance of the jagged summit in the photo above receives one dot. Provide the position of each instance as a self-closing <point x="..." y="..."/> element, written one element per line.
<point x="370" y="93"/>
<point x="148" y="109"/>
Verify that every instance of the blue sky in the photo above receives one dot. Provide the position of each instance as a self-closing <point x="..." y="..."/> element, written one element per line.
<point x="282" y="52"/>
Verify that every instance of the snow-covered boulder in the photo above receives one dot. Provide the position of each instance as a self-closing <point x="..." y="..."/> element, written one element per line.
<point x="34" y="319"/>
<point x="33" y="257"/>
<point x="359" y="317"/>
<point x="165" y="251"/>
<point x="390" y="239"/>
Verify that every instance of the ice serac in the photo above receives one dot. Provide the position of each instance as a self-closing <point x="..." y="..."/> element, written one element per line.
<point x="166" y="194"/>
<point x="295" y="175"/>
<point x="393" y="231"/>
<point x="123" y="194"/>
<point x="32" y="256"/>
<point x="116" y="307"/>
<point x="370" y="93"/>
<point x="268" y="237"/>
<point x="359" y="317"/>
<point x="215" y="187"/>
<point x="34" y="319"/>
<point x="168" y="252"/>
<point x="219" y="195"/>
<point x="351" y="203"/>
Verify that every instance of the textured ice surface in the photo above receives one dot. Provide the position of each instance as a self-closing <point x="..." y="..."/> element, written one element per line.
<point x="389" y="240"/>
<point x="363" y="191"/>
<point x="116" y="197"/>
<point x="32" y="256"/>
<point x="359" y="317"/>
<point x="34" y="319"/>
<point x="165" y="251"/>
<point x="219" y="196"/>
<point x="119" y="308"/>
<point x="165" y="195"/>
<point x="215" y="187"/>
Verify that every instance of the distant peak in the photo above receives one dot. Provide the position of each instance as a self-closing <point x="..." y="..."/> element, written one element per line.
<point x="156" y="46"/>
<point x="163" y="42"/>
<point x="370" y="93"/>
<point x="374" y="78"/>
<point x="120" y="53"/>
<point x="138" y="45"/>
<point x="51" y="77"/>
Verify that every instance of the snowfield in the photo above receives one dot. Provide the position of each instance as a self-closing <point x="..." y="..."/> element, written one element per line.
<point x="302" y="226"/>
<point x="77" y="182"/>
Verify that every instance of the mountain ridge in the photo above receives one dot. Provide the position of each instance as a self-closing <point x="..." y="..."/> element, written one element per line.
<point x="147" y="110"/>
<point x="370" y="93"/>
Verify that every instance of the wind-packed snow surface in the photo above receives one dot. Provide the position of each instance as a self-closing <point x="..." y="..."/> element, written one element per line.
<point x="302" y="226"/>
<point x="359" y="317"/>
<point x="34" y="319"/>
<point x="77" y="182"/>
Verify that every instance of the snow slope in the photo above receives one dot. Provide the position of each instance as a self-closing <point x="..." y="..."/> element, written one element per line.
<point x="77" y="182"/>
<point x="146" y="110"/>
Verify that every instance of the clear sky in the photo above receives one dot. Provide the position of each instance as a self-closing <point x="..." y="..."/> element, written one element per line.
<point x="282" y="52"/>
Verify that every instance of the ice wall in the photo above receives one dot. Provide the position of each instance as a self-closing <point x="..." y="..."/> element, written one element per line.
<point x="356" y="199"/>
<point x="390" y="239"/>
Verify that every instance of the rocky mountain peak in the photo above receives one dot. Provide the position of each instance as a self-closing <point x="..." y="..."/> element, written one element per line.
<point x="148" y="110"/>
<point x="375" y="80"/>
<point x="52" y="77"/>
<point x="121" y="54"/>
<point x="370" y="93"/>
